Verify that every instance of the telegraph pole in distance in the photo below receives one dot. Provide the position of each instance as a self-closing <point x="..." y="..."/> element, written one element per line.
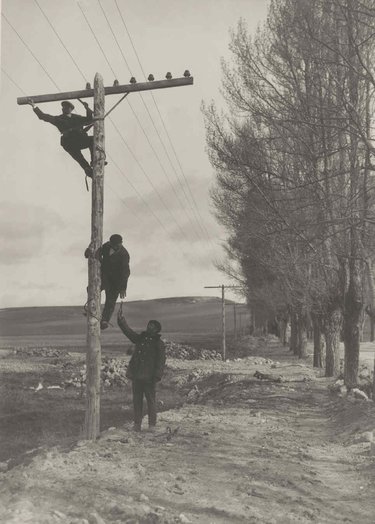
<point x="235" y="322"/>
<point x="223" y="287"/>
<point x="93" y="349"/>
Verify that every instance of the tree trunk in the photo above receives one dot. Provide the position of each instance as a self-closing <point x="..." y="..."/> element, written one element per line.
<point x="301" y="337"/>
<point x="282" y="329"/>
<point x="318" y="343"/>
<point x="352" y="325"/>
<point x="293" y="333"/>
<point x="331" y="330"/>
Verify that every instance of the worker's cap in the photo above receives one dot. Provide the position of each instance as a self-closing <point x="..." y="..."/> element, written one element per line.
<point x="115" y="239"/>
<point x="67" y="103"/>
<point x="156" y="324"/>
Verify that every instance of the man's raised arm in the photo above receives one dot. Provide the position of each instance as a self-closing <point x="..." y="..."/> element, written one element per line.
<point x="39" y="113"/>
<point x="126" y="329"/>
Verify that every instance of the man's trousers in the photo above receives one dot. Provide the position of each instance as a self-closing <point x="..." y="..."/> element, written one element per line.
<point x="146" y="388"/>
<point x="73" y="145"/>
<point x="111" y="296"/>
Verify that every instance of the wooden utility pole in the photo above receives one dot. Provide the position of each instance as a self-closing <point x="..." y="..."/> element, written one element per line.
<point x="93" y="353"/>
<point x="222" y="287"/>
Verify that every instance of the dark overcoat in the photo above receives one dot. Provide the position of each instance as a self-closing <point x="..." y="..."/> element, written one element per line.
<point x="148" y="360"/>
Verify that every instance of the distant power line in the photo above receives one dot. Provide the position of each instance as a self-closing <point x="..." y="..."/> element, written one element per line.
<point x="140" y="124"/>
<point x="200" y="220"/>
<point x="30" y="51"/>
<point x="13" y="82"/>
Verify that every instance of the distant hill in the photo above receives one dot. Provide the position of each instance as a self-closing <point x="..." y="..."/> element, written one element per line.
<point x="181" y="317"/>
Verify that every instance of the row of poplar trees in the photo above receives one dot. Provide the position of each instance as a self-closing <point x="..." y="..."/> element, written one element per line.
<point x="295" y="183"/>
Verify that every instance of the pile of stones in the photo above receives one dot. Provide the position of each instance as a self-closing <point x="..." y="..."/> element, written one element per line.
<point x="40" y="352"/>
<point x="112" y="374"/>
<point x="186" y="352"/>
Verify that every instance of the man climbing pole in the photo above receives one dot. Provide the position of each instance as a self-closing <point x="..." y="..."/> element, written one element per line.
<point x="115" y="273"/>
<point x="74" y="137"/>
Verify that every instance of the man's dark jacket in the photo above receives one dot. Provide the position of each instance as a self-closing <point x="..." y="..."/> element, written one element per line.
<point x="67" y="125"/>
<point x="114" y="268"/>
<point x="63" y="122"/>
<point x="148" y="360"/>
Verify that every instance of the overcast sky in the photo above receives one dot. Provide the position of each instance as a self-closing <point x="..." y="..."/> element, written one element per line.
<point x="173" y="240"/>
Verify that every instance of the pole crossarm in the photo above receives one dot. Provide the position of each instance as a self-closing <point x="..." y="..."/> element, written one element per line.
<point x="112" y="90"/>
<point x="219" y="287"/>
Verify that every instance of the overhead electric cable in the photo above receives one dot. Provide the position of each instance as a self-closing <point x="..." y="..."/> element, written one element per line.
<point x="200" y="220"/>
<point x="30" y="51"/>
<point x="105" y="56"/>
<point x="152" y="120"/>
<point x="60" y="39"/>
<point x="97" y="41"/>
<point x="83" y="76"/>
<point x="139" y="194"/>
<point x="145" y="174"/>
<point x="13" y="82"/>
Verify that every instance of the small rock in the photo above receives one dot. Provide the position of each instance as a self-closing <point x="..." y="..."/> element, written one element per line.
<point x="95" y="518"/>
<point x="184" y="519"/>
<point x="343" y="391"/>
<point x="112" y="428"/>
<point x="3" y="467"/>
<point x="181" y="478"/>
<point x="59" y="514"/>
<point x="143" y="498"/>
<point x="368" y="436"/>
<point x="359" y="394"/>
<point x="141" y="470"/>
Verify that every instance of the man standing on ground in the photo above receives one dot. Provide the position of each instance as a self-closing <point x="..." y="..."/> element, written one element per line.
<point x="73" y="137"/>
<point x="145" y="368"/>
<point x="115" y="273"/>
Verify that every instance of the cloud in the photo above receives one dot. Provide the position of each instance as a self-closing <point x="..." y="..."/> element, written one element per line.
<point x="148" y="266"/>
<point x="23" y="231"/>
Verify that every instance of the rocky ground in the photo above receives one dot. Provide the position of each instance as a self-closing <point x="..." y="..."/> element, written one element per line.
<point x="262" y="439"/>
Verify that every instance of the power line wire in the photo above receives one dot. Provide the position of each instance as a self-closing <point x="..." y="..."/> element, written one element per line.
<point x="156" y="130"/>
<point x="114" y="36"/>
<point x="139" y="194"/>
<point x="97" y="41"/>
<point x="145" y="174"/>
<point x="150" y="116"/>
<point x="80" y="71"/>
<point x="30" y="51"/>
<point x="153" y="123"/>
<point x="60" y="39"/>
<point x="18" y="87"/>
<point x="148" y="178"/>
<point x="13" y="82"/>
<point x="201" y="223"/>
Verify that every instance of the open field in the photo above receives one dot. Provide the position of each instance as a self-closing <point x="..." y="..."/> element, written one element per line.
<point x="195" y="320"/>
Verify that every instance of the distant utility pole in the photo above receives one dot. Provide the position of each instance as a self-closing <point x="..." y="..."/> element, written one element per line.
<point x="93" y="349"/>
<point x="235" y="322"/>
<point x="223" y="287"/>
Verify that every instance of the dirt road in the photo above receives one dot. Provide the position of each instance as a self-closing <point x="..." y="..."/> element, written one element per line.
<point x="279" y="450"/>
